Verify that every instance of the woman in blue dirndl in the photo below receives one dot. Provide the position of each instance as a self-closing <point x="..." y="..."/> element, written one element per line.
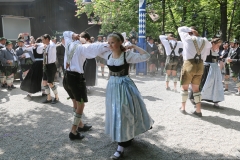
<point x="126" y="113"/>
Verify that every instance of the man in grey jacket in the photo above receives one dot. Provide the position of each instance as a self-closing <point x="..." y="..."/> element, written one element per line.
<point x="2" y="75"/>
<point x="25" y="56"/>
<point x="10" y="62"/>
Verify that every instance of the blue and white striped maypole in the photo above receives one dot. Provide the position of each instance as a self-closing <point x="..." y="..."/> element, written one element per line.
<point x="142" y="23"/>
<point x="141" y="68"/>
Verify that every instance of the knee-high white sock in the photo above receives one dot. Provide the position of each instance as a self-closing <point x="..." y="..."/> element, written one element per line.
<point x="54" y="89"/>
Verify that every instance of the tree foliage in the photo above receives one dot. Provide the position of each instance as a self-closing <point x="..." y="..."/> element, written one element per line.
<point x="208" y="15"/>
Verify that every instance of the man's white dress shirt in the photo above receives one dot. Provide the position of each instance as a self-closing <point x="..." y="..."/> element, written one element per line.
<point x="167" y="47"/>
<point x="189" y="50"/>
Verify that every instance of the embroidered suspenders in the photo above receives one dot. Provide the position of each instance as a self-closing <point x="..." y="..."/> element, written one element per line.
<point x="172" y="54"/>
<point x="197" y="57"/>
<point x="70" y="54"/>
<point x="45" y="57"/>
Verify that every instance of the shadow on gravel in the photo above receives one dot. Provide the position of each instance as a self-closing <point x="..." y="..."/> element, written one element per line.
<point x="222" y="110"/>
<point x="151" y="98"/>
<point x="4" y="96"/>
<point x="42" y="133"/>
<point x="96" y="91"/>
<point x="226" y="123"/>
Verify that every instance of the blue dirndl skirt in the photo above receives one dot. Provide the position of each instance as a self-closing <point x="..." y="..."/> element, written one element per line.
<point x="126" y="113"/>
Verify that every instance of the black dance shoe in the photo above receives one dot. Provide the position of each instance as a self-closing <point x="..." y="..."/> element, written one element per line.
<point x="115" y="157"/>
<point x="44" y="94"/>
<point x="4" y="86"/>
<point x="55" y="100"/>
<point x="168" y="88"/>
<point x="182" y="111"/>
<point x="85" y="128"/>
<point x="9" y="88"/>
<point x="78" y="136"/>
<point x="13" y="87"/>
<point x="197" y="114"/>
<point x="47" y="101"/>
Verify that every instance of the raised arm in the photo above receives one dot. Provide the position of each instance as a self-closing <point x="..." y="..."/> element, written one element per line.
<point x="69" y="36"/>
<point x="92" y="50"/>
<point x="163" y="39"/>
<point x="40" y="48"/>
<point x="184" y="32"/>
<point x="133" y="57"/>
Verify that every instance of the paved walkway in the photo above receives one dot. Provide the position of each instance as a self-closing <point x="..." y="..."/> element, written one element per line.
<point x="32" y="130"/>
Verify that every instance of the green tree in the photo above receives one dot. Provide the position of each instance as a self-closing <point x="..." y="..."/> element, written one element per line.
<point x="213" y="16"/>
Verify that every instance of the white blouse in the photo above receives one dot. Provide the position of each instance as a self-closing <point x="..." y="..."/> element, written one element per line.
<point x="131" y="57"/>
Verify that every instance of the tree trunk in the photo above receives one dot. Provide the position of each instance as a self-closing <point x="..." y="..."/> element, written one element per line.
<point x="184" y="14"/>
<point x="231" y="21"/>
<point x="172" y="16"/>
<point x="163" y="17"/>
<point x="224" y="20"/>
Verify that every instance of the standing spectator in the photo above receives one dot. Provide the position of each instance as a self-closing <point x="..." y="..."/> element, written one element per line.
<point x="223" y="54"/>
<point x="153" y="50"/>
<point x="92" y="39"/>
<point x="101" y="61"/>
<point x="161" y="57"/>
<point x="60" y="55"/>
<point x="104" y="39"/>
<point x="233" y="61"/>
<point x="133" y="34"/>
<point x="2" y="71"/>
<point x="10" y="62"/>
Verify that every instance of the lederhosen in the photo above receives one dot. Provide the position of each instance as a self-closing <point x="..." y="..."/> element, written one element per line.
<point x="49" y="69"/>
<point x="194" y="73"/>
<point x="11" y="68"/>
<point x="210" y="59"/>
<point x="172" y="59"/>
<point x="73" y="82"/>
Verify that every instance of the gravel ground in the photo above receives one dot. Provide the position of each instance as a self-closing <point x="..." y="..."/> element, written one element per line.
<point x="32" y="130"/>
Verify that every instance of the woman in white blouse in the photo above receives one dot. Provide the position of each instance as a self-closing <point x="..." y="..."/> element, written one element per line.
<point x="126" y="113"/>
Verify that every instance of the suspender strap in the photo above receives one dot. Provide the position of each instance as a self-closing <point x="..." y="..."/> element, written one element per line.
<point x="172" y="48"/>
<point x="70" y="53"/>
<point x="199" y="50"/>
